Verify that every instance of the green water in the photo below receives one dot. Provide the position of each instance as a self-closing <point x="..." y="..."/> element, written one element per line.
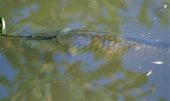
<point x="82" y="67"/>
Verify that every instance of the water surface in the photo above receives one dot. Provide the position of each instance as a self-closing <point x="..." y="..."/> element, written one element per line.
<point x="76" y="67"/>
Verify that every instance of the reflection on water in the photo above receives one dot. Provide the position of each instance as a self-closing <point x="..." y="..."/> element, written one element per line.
<point x="74" y="64"/>
<point x="85" y="67"/>
<point x="69" y="67"/>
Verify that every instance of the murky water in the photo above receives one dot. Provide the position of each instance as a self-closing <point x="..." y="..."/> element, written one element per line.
<point x="130" y="63"/>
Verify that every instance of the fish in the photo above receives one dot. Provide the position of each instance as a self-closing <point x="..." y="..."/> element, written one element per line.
<point x="49" y="35"/>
